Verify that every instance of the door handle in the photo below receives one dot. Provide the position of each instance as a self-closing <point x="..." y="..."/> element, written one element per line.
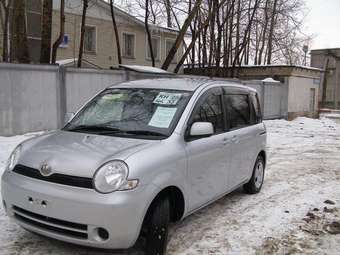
<point x="226" y="141"/>
<point x="234" y="139"/>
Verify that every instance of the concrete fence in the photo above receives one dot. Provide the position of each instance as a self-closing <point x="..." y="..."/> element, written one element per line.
<point x="37" y="97"/>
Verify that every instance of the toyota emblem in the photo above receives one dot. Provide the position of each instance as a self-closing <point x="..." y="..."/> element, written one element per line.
<point x="45" y="170"/>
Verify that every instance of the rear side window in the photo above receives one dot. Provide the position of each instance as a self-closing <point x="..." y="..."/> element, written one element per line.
<point x="210" y="110"/>
<point x="238" y="110"/>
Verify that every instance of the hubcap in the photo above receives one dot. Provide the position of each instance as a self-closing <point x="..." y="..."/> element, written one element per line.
<point x="258" y="174"/>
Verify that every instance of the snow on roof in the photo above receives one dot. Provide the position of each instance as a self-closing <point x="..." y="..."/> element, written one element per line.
<point x="68" y="61"/>
<point x="269" y="79"/>
<point x="282" y="66"/>
<point x="145" y="69"/>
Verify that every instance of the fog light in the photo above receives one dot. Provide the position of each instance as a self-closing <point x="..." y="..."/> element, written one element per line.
<point x="103" y="234"/>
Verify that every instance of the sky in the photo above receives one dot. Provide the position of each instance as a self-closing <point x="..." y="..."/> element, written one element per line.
<point x="323" y="21"/>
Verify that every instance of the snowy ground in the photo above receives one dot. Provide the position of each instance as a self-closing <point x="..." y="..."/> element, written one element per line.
<point x="291" y="215"/>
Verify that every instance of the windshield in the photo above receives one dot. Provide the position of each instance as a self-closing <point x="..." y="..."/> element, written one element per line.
<point x="133" y="112"/>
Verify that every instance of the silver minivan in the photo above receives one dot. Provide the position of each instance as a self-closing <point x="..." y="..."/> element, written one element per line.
<point x="139" y="155"/>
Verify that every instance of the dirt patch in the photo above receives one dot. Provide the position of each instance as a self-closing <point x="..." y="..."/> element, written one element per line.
<point x="319" y="227"/>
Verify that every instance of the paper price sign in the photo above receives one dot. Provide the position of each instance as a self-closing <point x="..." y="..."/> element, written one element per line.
<point x="167" y="98"/>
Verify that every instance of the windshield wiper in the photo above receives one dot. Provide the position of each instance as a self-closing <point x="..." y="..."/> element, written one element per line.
<point x="145" y="132"/>
<point x="99" y="128"/>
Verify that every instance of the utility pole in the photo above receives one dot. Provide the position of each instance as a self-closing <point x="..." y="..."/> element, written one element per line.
<point x="336" y="88"/>
<point x="305" y="50"/>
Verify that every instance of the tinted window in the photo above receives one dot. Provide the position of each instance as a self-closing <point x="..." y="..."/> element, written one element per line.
<point x="210" y="110"/>
<point x="238" y="110"/>
<point x="256" y="109"/>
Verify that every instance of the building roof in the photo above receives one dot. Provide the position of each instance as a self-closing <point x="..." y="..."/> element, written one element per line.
<point x="326" y="49"/>
<point x="136" y="20"/>
<point x="278" y="72"/>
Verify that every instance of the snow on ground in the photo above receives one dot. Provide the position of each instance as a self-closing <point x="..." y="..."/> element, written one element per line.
<point x="289" y="216"/>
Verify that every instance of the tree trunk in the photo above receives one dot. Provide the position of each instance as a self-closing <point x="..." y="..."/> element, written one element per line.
<point x="230" y="40"/>
<point x="219" y="35"/>
<point x="248" y="29"/>
<point x="19" y="43"/>
<point x="82" y="33"/>
<point x="146" y="22"/>
<point x="5" y="51"/>
<point x="264" y="32"/>
<point x="116" y="33"/>
<point x="212" y="31"/>
<point x="271" y="34"/>
<point x="180" y="36"/>
<point x="45" y="51"/>
<point x="201" y="29"/>
<point x="61" y="32"/>
<point x="168" y="13"/>
<point x="237" y="40"/>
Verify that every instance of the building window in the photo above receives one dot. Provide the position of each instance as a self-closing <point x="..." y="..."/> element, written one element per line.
<point x="90" y="39"/>
<point x="34" y="5"/>
<point x="155" y="42"/>
<point x="128" y="45"/>
<point x="168" y="45"/>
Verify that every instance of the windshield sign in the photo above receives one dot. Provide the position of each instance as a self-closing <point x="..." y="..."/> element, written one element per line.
<point x="141" y="113"/>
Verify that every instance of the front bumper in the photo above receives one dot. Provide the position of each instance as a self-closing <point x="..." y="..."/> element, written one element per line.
<point x="75" y="215"/>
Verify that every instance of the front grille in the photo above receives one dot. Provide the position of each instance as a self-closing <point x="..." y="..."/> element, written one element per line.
<point x="57" y="226"/>
<point x="81" y="182"/>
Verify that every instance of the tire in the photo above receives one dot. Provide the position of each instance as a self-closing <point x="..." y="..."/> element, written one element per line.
<point x="156" y="228"/>
<point x="255" y="184"/>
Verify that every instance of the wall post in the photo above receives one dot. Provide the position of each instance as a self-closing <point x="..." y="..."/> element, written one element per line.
<point x="61" y="95"/>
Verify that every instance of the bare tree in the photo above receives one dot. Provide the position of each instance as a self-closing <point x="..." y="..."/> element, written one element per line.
<point x="5" y="47"/>
<point x="82" y="33"/>
<point x="239" y="31"/>
<point x="181" y="35"/>
<point x="45" y="51"/>
<point x="116" y="32"/>
<point x="19" y="43"/>
<point x="271" y="32"/>
<point x="61" y="32"/>
<point x="146" y="22"/>
<point x="167" y="4"/>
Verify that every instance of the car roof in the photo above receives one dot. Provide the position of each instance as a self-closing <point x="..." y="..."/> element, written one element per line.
<point x="186" y="84"/>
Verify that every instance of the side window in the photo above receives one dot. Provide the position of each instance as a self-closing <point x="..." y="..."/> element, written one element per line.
<point x="256" y="111"/>
<point x="209" y="110"/>
<point x="238" y="110"/>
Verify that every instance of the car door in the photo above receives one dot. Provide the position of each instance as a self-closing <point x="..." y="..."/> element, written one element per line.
<point x="207" y="164"/>
<point x="241" y="136"/>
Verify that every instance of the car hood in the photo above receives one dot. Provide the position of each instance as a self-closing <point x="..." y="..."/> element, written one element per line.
<point x="78" y="154"/>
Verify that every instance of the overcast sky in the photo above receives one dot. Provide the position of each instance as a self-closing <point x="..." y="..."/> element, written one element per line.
<point x="323" y="21"/>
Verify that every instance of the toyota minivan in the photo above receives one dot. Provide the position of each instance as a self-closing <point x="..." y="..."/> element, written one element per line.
<point x="139" y="155"/>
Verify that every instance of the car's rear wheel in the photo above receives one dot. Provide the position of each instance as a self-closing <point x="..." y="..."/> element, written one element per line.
<point x="156" y="227"/>
<point x="255" y="184"/>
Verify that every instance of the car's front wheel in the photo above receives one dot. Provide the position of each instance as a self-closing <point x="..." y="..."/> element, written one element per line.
<point x="156" y="227"/>
<point x="255" y="184"/>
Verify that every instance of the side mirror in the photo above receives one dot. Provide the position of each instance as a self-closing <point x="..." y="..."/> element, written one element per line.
<point x="202" y="129"/>
<point x="68" y="117"/>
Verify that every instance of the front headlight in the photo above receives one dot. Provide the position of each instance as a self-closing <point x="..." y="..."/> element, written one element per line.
<point x="113" y="176"/>
<point x="13" y="158"/>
